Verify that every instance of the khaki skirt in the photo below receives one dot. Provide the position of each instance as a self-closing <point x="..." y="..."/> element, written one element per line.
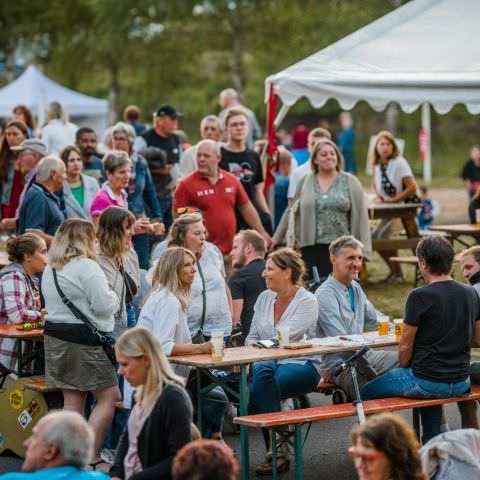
<point x="77" y="367"/>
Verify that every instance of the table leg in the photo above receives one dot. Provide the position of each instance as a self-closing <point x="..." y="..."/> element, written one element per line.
<point x="298" y="453"/>
<point x="245" y="463"/>
<point x="20" y="358"/>
<point x="199" y="400"/>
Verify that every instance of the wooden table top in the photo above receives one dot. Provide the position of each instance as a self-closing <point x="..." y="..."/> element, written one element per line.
<point x="464" y="228"/>
<point x="394" y="206"/>
<point x="410" y="259"/>
<point x="11" y="331"/>
<point x="247" y="355"/>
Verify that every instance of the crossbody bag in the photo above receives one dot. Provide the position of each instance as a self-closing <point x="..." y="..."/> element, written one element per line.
<point x="199" y="337"/>
<point x="106" y="341"/>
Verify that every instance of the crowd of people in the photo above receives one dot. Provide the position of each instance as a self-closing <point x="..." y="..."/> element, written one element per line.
<point x="145" y="248"/>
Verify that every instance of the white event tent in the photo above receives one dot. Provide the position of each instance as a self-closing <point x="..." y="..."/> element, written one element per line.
<point x="33" y="89"/>
<point x="423" y="53"/>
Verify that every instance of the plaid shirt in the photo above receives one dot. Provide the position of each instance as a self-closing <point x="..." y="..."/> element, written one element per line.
<point x="19" y="303"/>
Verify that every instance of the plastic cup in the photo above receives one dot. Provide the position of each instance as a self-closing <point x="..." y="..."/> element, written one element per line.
<point x="283" y="335"/>
<point x="398" y="322"/>
<point x="382" y="325"/>
<point x="477" y="215"/>
<point x="158" y="228"/>
<point x="216" y="340"/>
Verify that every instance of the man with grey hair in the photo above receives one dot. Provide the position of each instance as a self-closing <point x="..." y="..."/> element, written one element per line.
<point x="218" y="194"/>
<point x="60" y="447"/>
<point x="210" y="128"/>
<point x="42" y="211"/>
<point x="229" y="98"/>
<point x="343" y="309"/>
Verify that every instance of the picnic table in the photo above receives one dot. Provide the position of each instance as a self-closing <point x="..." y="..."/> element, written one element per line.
<point x="239" y="358"/>
<point x="407" y="213"/>
<point x="35" y="335"/>
<point x="456" y="231"/>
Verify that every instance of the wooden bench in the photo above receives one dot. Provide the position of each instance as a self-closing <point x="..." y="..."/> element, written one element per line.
<point x="409" y="260"/>
<point x="297" y="418"/>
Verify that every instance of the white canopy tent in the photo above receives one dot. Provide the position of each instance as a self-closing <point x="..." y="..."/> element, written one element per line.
<point x="423" y="53"/>
<point x="36" y="91"/>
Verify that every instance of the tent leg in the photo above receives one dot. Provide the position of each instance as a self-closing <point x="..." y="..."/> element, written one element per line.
<point x="426" y="125"/>
<point x="281" y="115"/>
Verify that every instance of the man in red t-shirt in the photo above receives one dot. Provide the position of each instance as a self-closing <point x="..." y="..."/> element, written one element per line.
<point x="217" y="194"/>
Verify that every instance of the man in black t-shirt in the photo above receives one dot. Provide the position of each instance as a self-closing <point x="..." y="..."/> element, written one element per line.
<point x="165" y="177"/>
<point x="245" y="164"/>
<point x="471" y="171"/>
<point x="441" y="324"/>
<point x="247" y="283"/>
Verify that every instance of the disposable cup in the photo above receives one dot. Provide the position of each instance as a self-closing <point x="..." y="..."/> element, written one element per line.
<point x="382" y="324"/>
<point x="216" y="340"/>
<point x="283" y="335"/>
<point x="477" y="215"/>
<point x="398" y="322"/>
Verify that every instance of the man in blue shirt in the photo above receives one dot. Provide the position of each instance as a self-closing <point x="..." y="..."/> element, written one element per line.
<point x="41" y="211"/>
<point x="59" y="448"/>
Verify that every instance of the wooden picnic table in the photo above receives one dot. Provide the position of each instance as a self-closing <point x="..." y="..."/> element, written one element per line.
<point x="407" y="213"/>
<point x="13" y="332"/>
<point x="239" y="358"/>
<point x="456" y="231"/>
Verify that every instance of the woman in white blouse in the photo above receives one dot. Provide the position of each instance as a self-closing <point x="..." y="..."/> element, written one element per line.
<point x="285" y="303"/>
<point x="394" y="182"/>
<point x="164" y="313"/>
<point x="210" y="308"/>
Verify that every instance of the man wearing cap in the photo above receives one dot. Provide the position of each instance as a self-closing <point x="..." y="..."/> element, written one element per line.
<point x="30" y="152"/>
<point x="163" y="136"/>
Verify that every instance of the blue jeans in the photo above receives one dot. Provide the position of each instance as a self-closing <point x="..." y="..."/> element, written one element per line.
<point x="401" y="382"/>
<point x="214" y="405"/>
<point x="141" y="244"/>
<point x="272" y="382"/>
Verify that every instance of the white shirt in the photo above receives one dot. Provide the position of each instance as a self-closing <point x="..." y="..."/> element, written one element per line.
<point x="300" y="315"/>
<point x="296" y="177"/>
<point x="162" y="314"/>
<point x="57" y="135"/>
<point x="188" y="162"/>
<point x="397" y="169"/>
<point x="217" y="312"/>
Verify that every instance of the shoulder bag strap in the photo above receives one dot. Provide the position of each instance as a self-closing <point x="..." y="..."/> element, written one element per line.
<point x="204" y="296"/>
<point x="76" y="312"/>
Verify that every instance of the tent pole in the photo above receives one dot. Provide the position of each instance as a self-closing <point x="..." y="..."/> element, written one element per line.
<point x="281" y="115"/>
<point x="427" y="127"/>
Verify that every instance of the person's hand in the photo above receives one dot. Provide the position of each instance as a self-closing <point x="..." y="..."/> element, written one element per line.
<point x="205" y="347"/>
<point x="8" y="224"/>
<point x="378" y="199"/>
<point x="142" y="225"/>
<point x="269" y="241"/>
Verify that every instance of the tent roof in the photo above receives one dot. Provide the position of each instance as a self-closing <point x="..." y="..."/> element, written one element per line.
<point x="424" y="51"/>
<point x="36" y="91"/>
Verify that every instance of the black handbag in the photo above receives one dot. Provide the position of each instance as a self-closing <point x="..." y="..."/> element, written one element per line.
<point x="106" y="341"/>
<point x="199" y="337"/>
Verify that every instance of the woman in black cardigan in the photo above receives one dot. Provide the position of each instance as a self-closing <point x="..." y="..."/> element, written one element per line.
<point x="160" y="421"/>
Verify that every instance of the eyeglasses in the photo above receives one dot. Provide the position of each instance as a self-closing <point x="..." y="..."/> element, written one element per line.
<point x="120" y="139"/>
<point x="184" y="210"/>
<point x="367" y="458"/>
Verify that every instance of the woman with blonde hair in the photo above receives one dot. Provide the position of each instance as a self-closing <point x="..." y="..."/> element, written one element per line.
<point x="210" y="307"/>
<point x="75" y="360"/>
<point x="328" y="203"/>
<point x="394" y="182"/>
<point x="59" y="131"/>
<point x="386" y="448"/>
<point x="160" y="422"/>
<point x="285" y="304"/>
<point x="164" y="313"/>
<point x="119" y="261"/>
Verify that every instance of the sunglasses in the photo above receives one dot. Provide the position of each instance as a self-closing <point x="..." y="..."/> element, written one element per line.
<point x="184" y="210"/>
<point x="367" y="458"/>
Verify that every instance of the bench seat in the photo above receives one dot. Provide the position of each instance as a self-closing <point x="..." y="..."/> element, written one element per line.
<point x="327" y="412"/>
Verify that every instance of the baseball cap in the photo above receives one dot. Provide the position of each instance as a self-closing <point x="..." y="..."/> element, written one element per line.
<point x="32" y="144"/>
<point x="168" y="110"/>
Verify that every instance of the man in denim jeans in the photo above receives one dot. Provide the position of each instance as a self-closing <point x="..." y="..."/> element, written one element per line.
<point x="440" y="326"/>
